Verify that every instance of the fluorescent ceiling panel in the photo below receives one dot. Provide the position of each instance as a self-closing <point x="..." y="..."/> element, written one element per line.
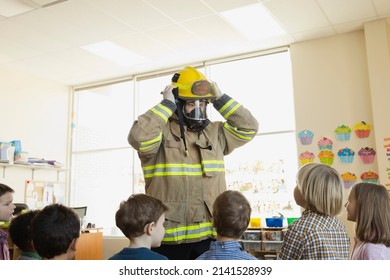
<point x="115" y="53"/>
<point x="254" y="22"/>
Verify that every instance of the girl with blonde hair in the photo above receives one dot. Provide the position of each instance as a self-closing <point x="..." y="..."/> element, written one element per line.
<point x="318" y="234"/>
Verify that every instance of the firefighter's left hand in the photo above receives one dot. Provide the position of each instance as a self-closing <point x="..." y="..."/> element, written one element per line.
<point x="215" y="91"/>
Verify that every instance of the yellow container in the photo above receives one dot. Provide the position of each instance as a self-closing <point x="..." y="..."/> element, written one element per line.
<point x="255" y="223"/>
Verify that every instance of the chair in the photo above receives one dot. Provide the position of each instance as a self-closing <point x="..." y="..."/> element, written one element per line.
<point x="19" y="207"/>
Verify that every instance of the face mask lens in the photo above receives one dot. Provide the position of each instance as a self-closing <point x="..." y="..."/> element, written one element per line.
<point x="201" y="88"/>
<point x="196" y="110"/>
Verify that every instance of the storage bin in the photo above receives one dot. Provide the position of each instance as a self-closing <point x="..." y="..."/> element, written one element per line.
<point x="274" y="222"/>
<point x="251" y="246"/>
<point x="251" y="235"/>
<point x="271" y="235"/>
<point x="272" y="246"/>
<point x="290" y="220"/>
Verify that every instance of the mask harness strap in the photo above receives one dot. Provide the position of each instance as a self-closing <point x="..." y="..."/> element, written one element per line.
<point x="175" y="92"/>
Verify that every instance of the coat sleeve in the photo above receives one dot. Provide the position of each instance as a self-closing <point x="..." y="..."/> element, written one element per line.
<point x="240" y="126"/>
<point x="145" y="135"/>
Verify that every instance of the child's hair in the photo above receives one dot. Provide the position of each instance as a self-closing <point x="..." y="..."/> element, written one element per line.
<point x="53" y="229"/>
<point x="136" y="212"/>
<point x="20" y="230"/>
<point x="231" y="214"/>
<point x="372" y="213"/>
<point x="5" y="189"/>
<point x="321" y="187"/>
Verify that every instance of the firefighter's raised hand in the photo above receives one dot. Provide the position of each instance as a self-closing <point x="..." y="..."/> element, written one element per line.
<point x="215" y="91"/>
<point x="168" y="94"/>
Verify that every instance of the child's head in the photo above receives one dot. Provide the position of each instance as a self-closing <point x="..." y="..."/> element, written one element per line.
<point x="369" y="206"/>
<point x="319" y="188"/>
<point x="20" y="231"/>
<point x="55" y="230"/>
<point x="142" y="214"/>
<point x="231" y="214"/>
<point x="6" y="205"/>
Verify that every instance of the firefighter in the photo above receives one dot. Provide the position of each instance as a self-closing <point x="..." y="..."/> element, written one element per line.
<point x="182" y="157"/>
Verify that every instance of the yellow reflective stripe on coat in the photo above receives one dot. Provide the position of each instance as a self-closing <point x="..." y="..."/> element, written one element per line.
<point x="194" y="231"/>
<point x="183" y="169"/>
<point x="245" y="135"/>
<point x="162" y="111"/>
<point x="229" y="108"/>
<point x="172" y="169"/>
<point x="213" y="165"/>
<point x="149" y="144"/>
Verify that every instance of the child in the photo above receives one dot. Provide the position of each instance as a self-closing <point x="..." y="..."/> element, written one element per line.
<point x="6" y="210"/>
<point x="141" y="219"/>
<point x="318" y="234"/>
<point x="231" y="216"/>
<point x="19" y="231"/>
<point x="55" y="231"/>
<point x="369" y="206"/>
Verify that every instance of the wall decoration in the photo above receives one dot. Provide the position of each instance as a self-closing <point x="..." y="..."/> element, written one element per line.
<point x="39" y="194"/>
<point x="325" y="144"/>
<point x="346" y="155"/>
<point x="343" y="133"/>
<point x="367" y="155"/>
<point x="264" y="185"/>
<point x="306" y="137"/>
<point x="349" y="179"/>
<point x="362" y="129"/>
<point x="369" y="177"/>
<point x="306" y="157"/>
<point x="326" y="157"/>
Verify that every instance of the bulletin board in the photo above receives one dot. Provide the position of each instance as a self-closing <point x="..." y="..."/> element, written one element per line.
<point x="39" y="194"/>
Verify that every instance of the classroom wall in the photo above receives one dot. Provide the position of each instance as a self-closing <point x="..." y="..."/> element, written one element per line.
<point x="332" y="87"/>
<point x="34" y="111"/>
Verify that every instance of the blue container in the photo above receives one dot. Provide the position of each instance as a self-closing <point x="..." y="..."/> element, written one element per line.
<point x="274" y="222"/>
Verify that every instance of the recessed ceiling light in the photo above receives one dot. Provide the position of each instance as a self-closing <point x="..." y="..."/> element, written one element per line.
<point x="254" y="22"/>
<point x="115" y="53"/>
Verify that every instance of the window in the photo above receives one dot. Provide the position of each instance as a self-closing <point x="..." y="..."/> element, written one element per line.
<point x="106" y="170"/>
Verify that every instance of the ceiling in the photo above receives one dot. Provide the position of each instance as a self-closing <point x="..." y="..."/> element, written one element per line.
<point x="46" y="41"/>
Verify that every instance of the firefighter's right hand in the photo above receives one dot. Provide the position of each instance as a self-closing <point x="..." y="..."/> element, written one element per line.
<point x="168" y="94"/>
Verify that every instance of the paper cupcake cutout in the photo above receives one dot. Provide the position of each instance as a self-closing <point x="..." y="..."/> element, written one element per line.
<point x="369" y="177"/>
<point x="362" y="129"/>
<point x="326" y="157"/>
<point x="325" y="144"/>
<point x="343" y="133"/>
<point x="349" y="179"/>
<point x="346" y="155"/>
<point x="367" y="155"/>
<point x="306" y="157"/>
<point x="306" y="137"/>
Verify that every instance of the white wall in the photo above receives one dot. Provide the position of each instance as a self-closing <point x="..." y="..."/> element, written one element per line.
<point x="34" y="111"/>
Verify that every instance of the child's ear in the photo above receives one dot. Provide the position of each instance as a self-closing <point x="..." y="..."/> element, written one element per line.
<point x="74" y="244"/>
<point x="149" y="228"/>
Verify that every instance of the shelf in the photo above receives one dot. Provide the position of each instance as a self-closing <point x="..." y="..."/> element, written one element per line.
<point x="32" y="167"/>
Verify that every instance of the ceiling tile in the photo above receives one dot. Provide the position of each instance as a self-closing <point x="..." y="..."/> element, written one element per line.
<point x="347" y="10"/>
<point x="144" y="45"/>
<point x="224" y="5"/>
<point x="382" y="7"/>
<point x="178" y="10"/>
<point x="298" y="15"/>
<point x="30" y="37"/>
<point x="314" y="34"/>
<point x="92" y="23"/>
<point x="16" y="50"/>
<point x="137" y="14"/>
